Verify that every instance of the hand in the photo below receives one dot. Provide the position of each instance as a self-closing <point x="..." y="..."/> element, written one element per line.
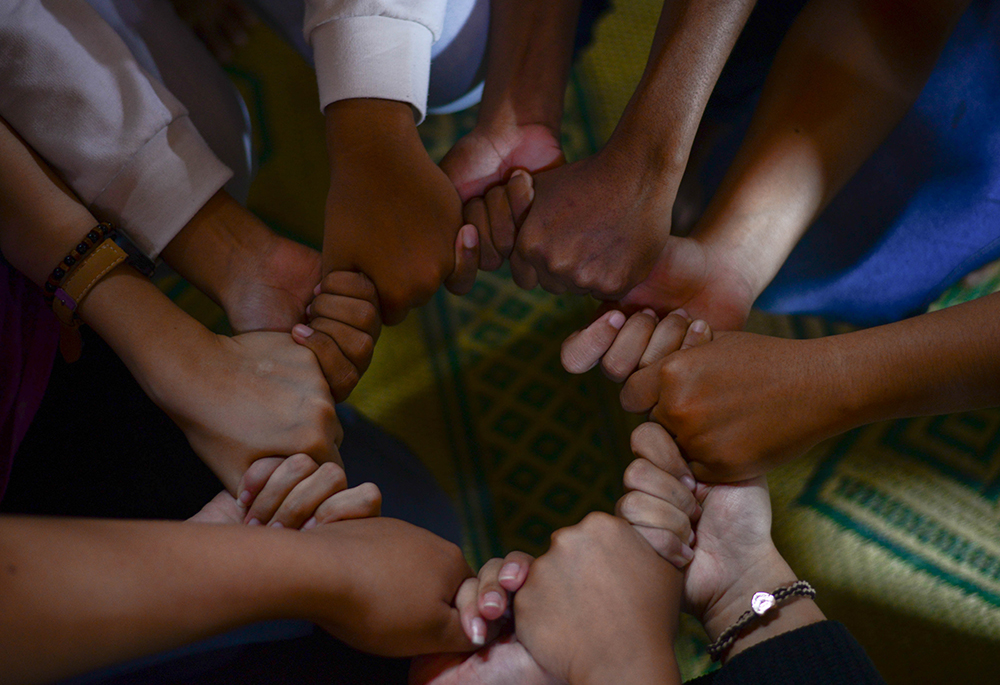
<point x="659" y="498"/>
<point x="600" y="606"/>
<point x="483" y="602"/>
<point x="488" y="237"/>
<point x="487" y="156"/>
<point x="251" y="396"/>
<point x="483" y="165"/>
<point x="391" y="213"/>
<point x="343" y="328"/>
<point x="402" y="582"/>
<point x="623" y="346"/>
<point x="295" y="492"/>
<point x="707" y="281"/>
<point x="262" y="280"/>
<point x="594" y="227"/>
<point x="732" y="522"/>
<point x="743" y="403"/>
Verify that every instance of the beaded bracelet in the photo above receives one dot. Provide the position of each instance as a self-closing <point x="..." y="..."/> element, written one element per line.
<point x="760" y="604"/>
<point x="95" y="236"/>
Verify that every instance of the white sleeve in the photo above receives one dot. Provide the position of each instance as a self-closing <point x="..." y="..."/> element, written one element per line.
<point x="71" y="88"/>
<point x="374" y="48"/>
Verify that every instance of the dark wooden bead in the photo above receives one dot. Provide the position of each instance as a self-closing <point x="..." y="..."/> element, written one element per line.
<point x="69" y="261"/>
<point x="50" y="288"/>
<point x="93" y="236"/>
<point x="82" y="248"/>
<point x="58" y="273"/>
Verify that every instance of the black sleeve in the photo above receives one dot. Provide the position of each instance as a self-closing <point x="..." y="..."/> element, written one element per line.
<point x="818" y="654"/>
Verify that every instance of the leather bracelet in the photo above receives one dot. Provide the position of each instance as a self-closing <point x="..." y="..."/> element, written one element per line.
<point x="760" y="604"/>
<point x="88" y="266"/>
<point x="95" y="236"/>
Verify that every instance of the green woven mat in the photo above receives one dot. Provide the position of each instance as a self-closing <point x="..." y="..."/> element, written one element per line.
<point x="896" y="524"/>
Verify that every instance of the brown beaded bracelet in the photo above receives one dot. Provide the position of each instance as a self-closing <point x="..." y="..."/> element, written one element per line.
<point x="95" y="236"/>
<point x="760" y="604"/>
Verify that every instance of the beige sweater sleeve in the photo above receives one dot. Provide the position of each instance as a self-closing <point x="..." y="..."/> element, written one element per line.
<point x="71" y="88"/>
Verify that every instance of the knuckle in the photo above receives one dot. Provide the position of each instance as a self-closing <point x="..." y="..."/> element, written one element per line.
<point x="368" y="318"/>
<point x="333" y="475"/>
<point x="636" y="473"/>
<point x="300" y="464"/>
<point x="371" y="494"/>
<point x="630" y="505"/>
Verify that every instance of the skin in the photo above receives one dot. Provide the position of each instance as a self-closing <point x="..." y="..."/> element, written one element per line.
<point x="519" y="120"/>
<point x="144" y="587"/>
<point x="844" y="76"/>
<point x="600" y="224"/>
<point x="237" y="399"/>
<point x="935" y="363"/>
<point x="733" y="554"/>
<point x="373" y="145"/>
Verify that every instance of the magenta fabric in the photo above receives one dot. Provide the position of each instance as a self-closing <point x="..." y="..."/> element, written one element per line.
<point x="29" y="338"/>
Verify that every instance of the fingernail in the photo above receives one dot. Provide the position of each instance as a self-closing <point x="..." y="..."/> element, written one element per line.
<point x="478" y="631"/>
<point x="470" y="237"/>
<point x="302" y="330"/>
<point x="509" y="571"/>
<point x="244" y="499"/>
<point x="691" y="539"/>
<point x="687" y="552"/>
<point x="492" y="600"/>
<point x="276" y="524"/>
<point x="309" y="309"/>
<point x="522" y="172"/>
<point x="253" y="522"/>
<point x="649" y="312"/>
<point x="683" y="312"/>
<point x="617" y="320"/>
<point x="699" y="326"/>
<point x="318" y="289"/>
<point x="688" y="482"/>
<point x="310" y="524"/>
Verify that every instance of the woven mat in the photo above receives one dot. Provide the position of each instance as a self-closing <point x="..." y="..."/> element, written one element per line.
<point x="896" y="524"/>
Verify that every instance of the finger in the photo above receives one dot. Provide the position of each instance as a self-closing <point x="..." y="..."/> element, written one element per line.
<point x="474" y="212"/>
<point x="467" y="603"/>
<point x="641" y="390"/>
<point x="463" y="277"/>
<point x="502" y="230"/>
<point x="667" y="545"/>
<point x="254" y="479"/>
<point x="582" y="350"/>
<point x="514" y="571"/>
<point x="642" y="509"/>
<point x="522" y="272"/>
<point x="698" y="333"/>
<point x="622" y="359"/>
<point x="341" y="374"/>
<point x="357" y="346"/>
<point x="492" y="600"/>
<point x="520" y="194"/>
<point x="359" y="502"/>
<point x="289" y="473"/>
<point x="667" y="337"/>
<point x="652" y="442"/>
<point x="305" y="498"/>
<point x="351" y="311"/>
<point x="352" y="284"/>
<point x="643" y="477"/>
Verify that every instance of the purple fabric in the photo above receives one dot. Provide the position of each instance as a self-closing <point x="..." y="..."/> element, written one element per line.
<point x="29" y="337"/>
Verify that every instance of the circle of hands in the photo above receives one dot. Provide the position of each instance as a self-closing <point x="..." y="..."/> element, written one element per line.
<point x="507" y="195"/>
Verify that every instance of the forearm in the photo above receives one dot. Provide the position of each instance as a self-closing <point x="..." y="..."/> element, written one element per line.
<point x="80" y="594"/>
<point x="530" y="52"/>
<point x="692" y="43"/>
<point x="844" y="76"/>
<point x="935" y="363"/>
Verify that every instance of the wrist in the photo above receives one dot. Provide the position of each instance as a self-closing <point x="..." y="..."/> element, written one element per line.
<point x="766" y="574"/>
<point x="354" y="127"/>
